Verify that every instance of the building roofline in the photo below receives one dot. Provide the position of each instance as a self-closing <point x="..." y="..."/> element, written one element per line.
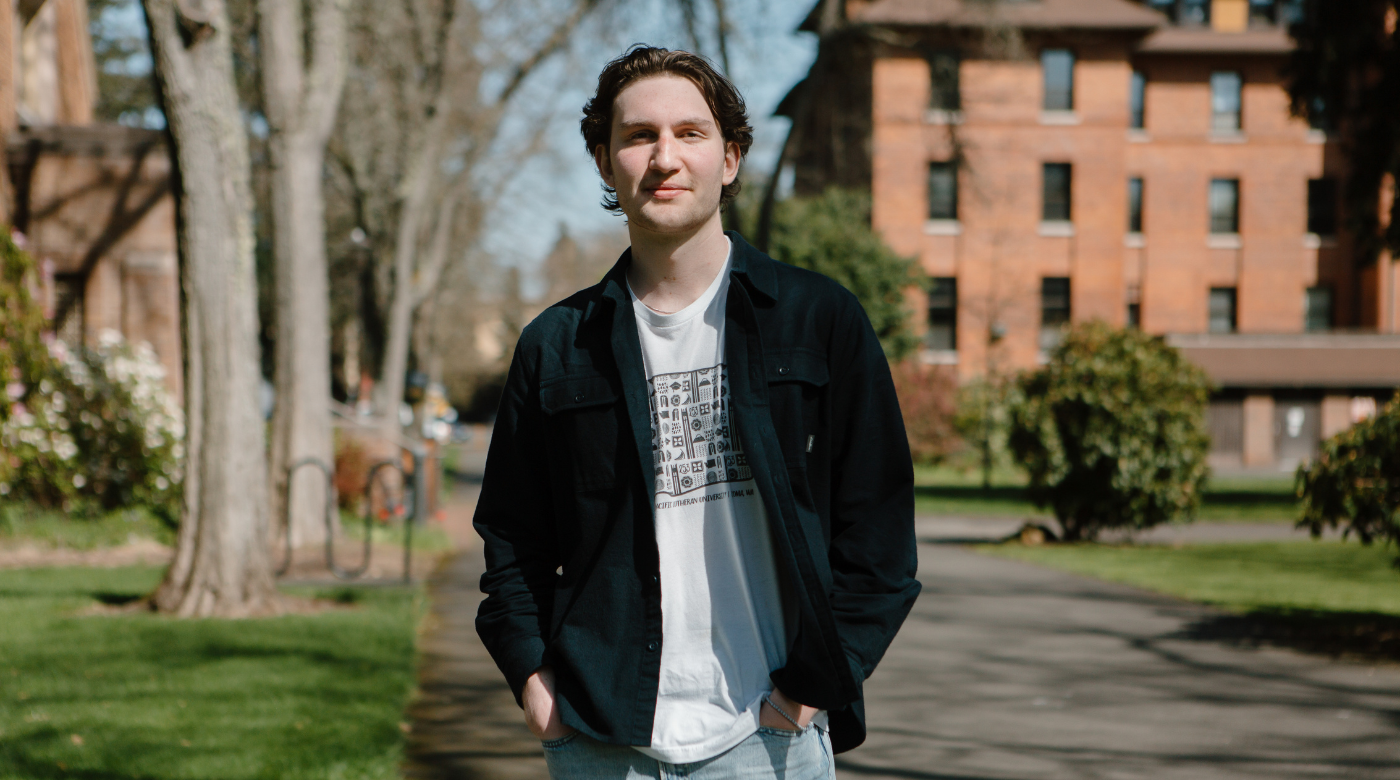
<point x="1203" y="40"/>
<point x="1297" y="360"/>
<point x="1026" y="14"/>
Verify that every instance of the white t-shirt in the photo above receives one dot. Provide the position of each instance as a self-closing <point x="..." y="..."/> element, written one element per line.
<point x="721" y="609"/>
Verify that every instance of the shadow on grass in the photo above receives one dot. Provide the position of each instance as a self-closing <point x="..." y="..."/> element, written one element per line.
<point x="971" y="493"/>
<point x="1249" y="498"/>
<point x="117" y="599"/>
<point x="1371" y="636"/>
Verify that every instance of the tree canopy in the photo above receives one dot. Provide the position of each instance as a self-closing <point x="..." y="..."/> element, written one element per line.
<point x="1344" y="77"/>
<point x="831" y="235"/>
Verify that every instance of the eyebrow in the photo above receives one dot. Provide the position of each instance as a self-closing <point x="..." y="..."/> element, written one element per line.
<point x="692" y="121"/>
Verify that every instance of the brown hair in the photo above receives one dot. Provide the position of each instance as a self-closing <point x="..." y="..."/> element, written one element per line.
<point x="642" y="61"/>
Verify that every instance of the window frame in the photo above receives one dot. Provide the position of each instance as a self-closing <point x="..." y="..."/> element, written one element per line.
<point x="1223" y="293"/>
<point x="1322" y="222"/>
<point x="1045" y="193"/>
<point x="952" y="92"/>
<point x="951" y="167"/>
<point x="1137" y="101"/>
<point x="1310" y="316"/>
<point x="1136" y="192"/>
<point x="1234" y="120"/>
<point x="1215" y="219"/>
<point x="1052" y="326"/>
<point x="947" y="314"/>
<point x="1045" y="73"/>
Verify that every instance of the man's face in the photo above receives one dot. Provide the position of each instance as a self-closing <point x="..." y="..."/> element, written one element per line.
<point x="668" y="159"/>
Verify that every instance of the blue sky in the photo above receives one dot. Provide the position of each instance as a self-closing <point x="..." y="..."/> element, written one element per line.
<point x="560" y="187"/>
<point x="767" y="58"/>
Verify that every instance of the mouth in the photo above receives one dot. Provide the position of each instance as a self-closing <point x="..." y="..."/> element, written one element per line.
<point x="666" y="191"/>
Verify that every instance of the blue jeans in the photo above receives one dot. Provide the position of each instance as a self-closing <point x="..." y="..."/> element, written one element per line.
<point x="769" y="754"/>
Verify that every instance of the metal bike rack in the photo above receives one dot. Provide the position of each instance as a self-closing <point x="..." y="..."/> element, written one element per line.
<point x="416" y="512"/>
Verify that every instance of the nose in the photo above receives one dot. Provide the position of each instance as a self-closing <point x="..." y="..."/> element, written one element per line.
<point x="664" y="157"/>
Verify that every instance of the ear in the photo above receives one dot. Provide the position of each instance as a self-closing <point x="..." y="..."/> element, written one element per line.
<point x="603" y="160"/>
<point x="731" y="162"/>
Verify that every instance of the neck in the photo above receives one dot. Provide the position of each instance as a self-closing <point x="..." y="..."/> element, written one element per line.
<point x="670" y="271"/>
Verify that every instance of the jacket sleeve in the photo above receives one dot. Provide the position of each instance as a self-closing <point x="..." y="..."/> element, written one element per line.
<point x="515" y="521"/>
<point x="873" y="553"/>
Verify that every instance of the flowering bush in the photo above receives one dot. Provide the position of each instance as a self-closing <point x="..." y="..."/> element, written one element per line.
<point x="926" y="397"/>
<point x="105" y="430"/>
<point x="24" y="362"/>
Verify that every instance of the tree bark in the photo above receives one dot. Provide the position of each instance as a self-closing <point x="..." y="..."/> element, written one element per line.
<point x="222" y="565"/>
<point x="301" y="101"/>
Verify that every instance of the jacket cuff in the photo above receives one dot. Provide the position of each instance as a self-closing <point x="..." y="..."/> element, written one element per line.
<point x="524" y="657"/>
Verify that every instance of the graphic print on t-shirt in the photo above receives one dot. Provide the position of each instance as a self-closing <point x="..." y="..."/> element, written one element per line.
<point x="692" y="441"/>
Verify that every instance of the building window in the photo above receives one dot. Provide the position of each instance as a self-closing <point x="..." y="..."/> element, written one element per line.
<point x="945" y="90"/>
<point x="1054" y="309"/>
<point x="1057" y="67"/>
<point x="1193" y="12"/>
<point x="942" y="314"/>
<point x="1135" y="204"/>
<point x="1262" y="13"/>
<point x="1135" y="315"/>
<point x="1222" y="310"/>
<point x="1317" y="309"/>
<point x="1225" y="101"/>
<point x="1055" y="205"/>
<point x="1317" y="116"/>
<point x="1290" y="11"/>
<point x="943" y="190"/>
<point x="1322" y="206"/>
<point x="1225" y="206"/>
<point x="1137" y="101"/>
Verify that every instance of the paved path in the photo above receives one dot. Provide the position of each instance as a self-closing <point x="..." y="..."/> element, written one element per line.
<point x="982" y="529"/>
<point x="1004" y="671"/>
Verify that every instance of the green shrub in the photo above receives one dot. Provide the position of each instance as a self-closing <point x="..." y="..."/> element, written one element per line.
<point x="1355" y="480"/>
<point x="983" y="419"/>
<point x="831" y="235"/>
<point x="1112" y="431"/>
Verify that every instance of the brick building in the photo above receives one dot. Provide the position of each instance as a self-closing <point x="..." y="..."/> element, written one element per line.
<point x="1055" y="161"/>
<point x="93" y="200"/>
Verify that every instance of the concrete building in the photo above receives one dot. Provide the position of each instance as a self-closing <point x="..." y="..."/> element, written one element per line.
<point x="1056" y="161"/>
<point x="93" y="200"/>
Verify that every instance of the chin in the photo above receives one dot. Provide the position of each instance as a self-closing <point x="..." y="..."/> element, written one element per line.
<point x="670" y="218"/>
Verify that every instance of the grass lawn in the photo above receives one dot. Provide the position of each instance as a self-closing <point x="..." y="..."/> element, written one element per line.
<point x="1322" y="575"/>
<point x="143" y="696"/>
<point x="1327" y="597"/>
<point x="943" y="490"/>
<point x="52" y="528"/>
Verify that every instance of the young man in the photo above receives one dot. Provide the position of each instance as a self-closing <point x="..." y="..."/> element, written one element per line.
<point x="698" y="504"/>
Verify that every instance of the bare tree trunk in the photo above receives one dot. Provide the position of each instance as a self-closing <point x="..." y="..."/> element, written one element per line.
<point x="222" y="566"/>
<point x="430" y="202"/>
<point x="301" y="101"/>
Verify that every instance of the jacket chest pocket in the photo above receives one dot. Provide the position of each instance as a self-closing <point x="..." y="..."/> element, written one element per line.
<point x="797" y="381"/>
<point x="581" y="421"/>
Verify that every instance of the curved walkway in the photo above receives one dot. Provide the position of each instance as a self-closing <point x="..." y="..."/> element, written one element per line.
<point x="1004" y="671"/>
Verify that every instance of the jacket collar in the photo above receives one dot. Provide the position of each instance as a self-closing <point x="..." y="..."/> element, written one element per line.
<point x="752" y="267"/>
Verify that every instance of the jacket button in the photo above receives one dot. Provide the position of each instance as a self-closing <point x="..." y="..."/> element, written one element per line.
<point x="656" y="579"/>
<point x="578" y="398"/>
<point x="651" y="647"/>
<point x="782" y="370"/>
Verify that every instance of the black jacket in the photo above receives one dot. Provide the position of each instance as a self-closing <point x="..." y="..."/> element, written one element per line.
<point x="566" y="507"/>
